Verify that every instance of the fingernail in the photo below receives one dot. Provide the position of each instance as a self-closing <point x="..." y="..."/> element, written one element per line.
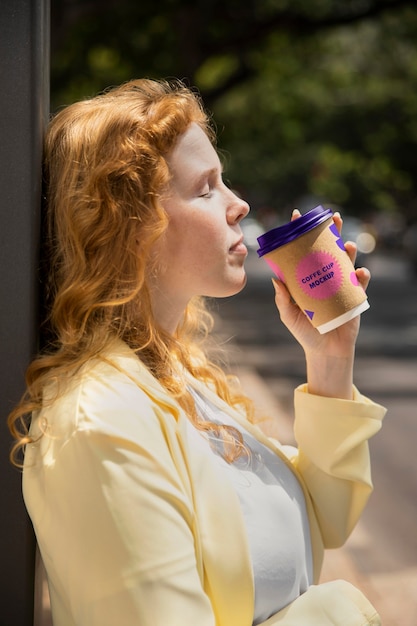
<point x="277" y="288"/>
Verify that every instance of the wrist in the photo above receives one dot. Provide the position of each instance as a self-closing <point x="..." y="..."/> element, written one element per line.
<point x="330" y="375"/>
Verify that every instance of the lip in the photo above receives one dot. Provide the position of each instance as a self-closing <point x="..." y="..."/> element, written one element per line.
<point x="239" y="247"/>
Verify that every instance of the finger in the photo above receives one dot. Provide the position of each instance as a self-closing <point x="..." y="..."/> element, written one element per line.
<point x="364" y="276"/>
<point x="337" y="219"/>
<point x="289" y="312"/>
<point x="282" y="295"/>
<point x="283" y="300"/>
<point x="352" y="250"/>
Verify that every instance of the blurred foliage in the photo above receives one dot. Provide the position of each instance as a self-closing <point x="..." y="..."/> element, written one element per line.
<point x="312" y="98"/>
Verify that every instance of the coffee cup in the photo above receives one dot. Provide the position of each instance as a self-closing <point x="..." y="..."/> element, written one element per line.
<point x="309" y="256"/>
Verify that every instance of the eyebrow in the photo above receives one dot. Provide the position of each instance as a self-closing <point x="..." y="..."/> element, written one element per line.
<point x="208" y="173"/>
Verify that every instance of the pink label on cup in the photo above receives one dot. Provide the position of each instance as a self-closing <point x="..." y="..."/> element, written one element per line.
<point x="354" y="279"/>
<point x="276" y="269"/>
<point x="319" y="275"/>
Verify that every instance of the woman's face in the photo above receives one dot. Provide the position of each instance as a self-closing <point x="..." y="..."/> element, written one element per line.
<point x="202" y="252"/>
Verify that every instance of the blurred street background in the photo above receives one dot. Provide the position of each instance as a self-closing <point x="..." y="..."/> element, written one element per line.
<point x="314" y="101"/>
<point x="381" y="555"/>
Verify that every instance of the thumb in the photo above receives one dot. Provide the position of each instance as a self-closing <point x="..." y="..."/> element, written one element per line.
<point x="287" y="309"/>
<point x="282" y="296"/>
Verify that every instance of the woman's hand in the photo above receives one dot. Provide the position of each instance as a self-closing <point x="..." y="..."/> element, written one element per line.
<point x="330" y="356"/>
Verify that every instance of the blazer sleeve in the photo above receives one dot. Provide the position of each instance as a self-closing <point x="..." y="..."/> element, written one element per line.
<point x="333" y="458"/>
<point x="335" y="603"/>
<point x="114" y="516"/>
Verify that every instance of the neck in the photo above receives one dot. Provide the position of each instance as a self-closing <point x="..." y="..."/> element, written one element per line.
<point x="167" y="312"/>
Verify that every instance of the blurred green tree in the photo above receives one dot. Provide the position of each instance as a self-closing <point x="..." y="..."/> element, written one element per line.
<point x="312" y="98"/>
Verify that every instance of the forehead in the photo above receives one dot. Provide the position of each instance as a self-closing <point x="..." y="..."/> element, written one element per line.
<point x="192" y="151"/>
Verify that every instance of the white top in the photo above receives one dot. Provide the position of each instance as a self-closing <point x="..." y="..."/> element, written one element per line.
<point x="274" y="511"/>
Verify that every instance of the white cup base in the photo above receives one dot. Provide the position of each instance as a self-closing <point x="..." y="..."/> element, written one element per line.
<point x="342" y="319"/>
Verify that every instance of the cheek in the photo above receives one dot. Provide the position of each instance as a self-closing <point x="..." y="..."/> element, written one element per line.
<point x="198" y="256"/>
<point x="196" y="233"/>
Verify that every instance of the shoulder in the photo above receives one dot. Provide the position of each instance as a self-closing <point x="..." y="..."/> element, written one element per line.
<point x="113" y="393"/>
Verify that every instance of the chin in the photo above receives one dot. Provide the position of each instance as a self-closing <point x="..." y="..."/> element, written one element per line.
<point x="236" y="288"/>
<point x="229" y="287"/>
<point x="243" y="283"/>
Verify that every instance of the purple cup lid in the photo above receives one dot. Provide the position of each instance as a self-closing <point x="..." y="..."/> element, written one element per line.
<point x="281" y="235"/>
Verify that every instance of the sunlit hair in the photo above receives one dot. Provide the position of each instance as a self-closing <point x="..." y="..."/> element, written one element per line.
<point x="105" y="168"/>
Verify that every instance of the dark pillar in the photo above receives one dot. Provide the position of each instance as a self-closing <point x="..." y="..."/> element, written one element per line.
<point x="24" y="107"/>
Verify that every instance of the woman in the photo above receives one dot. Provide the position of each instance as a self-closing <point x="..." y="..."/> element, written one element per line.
<point x="154" y="498"/>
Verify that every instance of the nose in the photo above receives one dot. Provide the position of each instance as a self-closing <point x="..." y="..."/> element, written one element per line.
<point x="238" y="208"/>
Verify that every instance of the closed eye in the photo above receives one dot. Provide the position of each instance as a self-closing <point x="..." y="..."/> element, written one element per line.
<point x="208" y="182"/>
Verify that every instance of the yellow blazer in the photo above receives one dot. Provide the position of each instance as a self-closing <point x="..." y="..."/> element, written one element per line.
<point x="136" y="529"/>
